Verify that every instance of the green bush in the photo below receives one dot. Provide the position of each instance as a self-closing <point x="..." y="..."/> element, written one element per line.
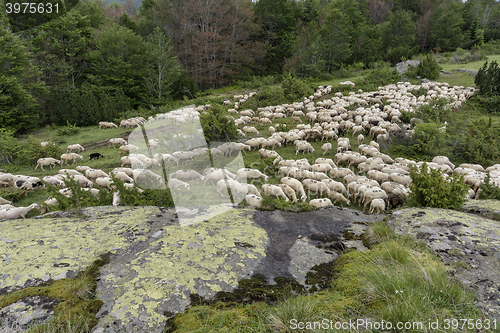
<point x="273" y="95"/>
<point x="380" y="76"/>
<point x="430" y="189"/>
<point x="479" y="142"/>
<point x="428" y="68"/>
<point x="8" y="145"/>
<point x="294" y="88"/>
<point x="217" y="125"/>
<point x="67" y="130"/>
<point x="436" y="111"/>
<point x="489" y="190"/>
<point x="488" y="81"/>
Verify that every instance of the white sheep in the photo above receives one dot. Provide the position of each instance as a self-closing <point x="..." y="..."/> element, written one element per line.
<point x="248" y="173"/>
<point x="326" y="148"/>
<point x="274" y="190"/>
<point x="76" y="147"/>
<point x="6" y="206"/>
<point x="54" y="181"/>
<point x="321" y="203"/>
<point x="188" y="175"/>
<point x="218" y="174"/>
<point x="361" y="138"/>
<point x="296" y="185"/>
<point x="304" y="146"/>
<point x="377" y="206"/>
<point x="17" y="212"/>
<point x="106" y="124"/>
<point x="104" y="182"/>
<point x="253" y="200"/>
<point x="315" y="186"/>
<point x="176" y="183"/>
<point x="123" y="176"/>
<point x="335" y="196"/>
<point x="95" y="173"/>
<point x="116" y="198"/>
<point x="114" y="141"/>
<point x="47" y="161"/>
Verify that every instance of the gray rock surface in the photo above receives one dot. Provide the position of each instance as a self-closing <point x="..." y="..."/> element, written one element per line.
<point x="469" y="243"/>
<point x="156" y="264"/>
<point x="402" y="67"/>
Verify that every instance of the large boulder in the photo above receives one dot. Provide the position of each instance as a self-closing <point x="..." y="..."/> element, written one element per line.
<point x="402" y="67"/>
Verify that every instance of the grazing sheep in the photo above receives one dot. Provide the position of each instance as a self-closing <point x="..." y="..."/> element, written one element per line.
<point x="28" y="185"/>
<point x="51" y="162"/>
<point x="114" y="141"/>
<point x="6" y="206"/>
<point x="400" y="179"/>
<point x="326" y="148"/>
<point x="361" y="138"/>
<point x="289" y="191"/>
<point x="116" y="198"/>
<point x="104" y="182"/>
<point x="70" y="157"/>
<point x="247" y="173"/>
<point x="54" y="181"/>
<point x="217" y="175"/>
<point x="334" y="185"/>
<point x="296" y="185"/>
<point x="315" y="186"/>
<point x="320" y="203"/>
<point x="106" y="124"/>
<point x="253" y="200"/>
<point x="274" y="190"/>
<point x="337" y="197"/>
<point x="188" y="175"/>
<point x="5" y="202"/>
<point x="125" y="148"/>
<point x="76" y="147"/>
<point x="82" y="168"/>
<point x="395" y="200"/>
<point x="377" y="206"/>
<point x="340" y="172"/>
<point x="17" y="212"/>
<point x="95" y="173"/>
<point x="176" y="183"/>
<point x="304" y="146"/>
<point x="123" y="176"/>
<point x="70" y="172"/>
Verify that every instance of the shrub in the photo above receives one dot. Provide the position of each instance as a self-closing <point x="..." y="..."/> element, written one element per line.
<point x="217" y="125"/>
<point x="488" y="81"/>
<point x="273" y="95"/>
<point x="434" y="112"/>
<point x="430" y="189"/>
<point x="428" y="68"/>
<point x="479" y="143"/>
<point x="8" y="145"/>
<point x="68" y="129"/>
<point x="294" y="88"/>
<point x="378" y="77"/>
<point x="489" y="190"/>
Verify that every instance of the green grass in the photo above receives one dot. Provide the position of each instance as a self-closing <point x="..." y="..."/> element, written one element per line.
<point x="464" y="79"/>
<point x="397" y="280"/>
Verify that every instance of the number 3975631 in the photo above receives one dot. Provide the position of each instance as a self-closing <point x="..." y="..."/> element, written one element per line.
<point x="31" y="8"/>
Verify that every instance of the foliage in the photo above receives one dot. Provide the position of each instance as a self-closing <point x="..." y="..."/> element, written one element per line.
<point x="148" y="197"/>
<point x="430" y="189"/>
<point x="488" y="189"/>
<point x="488" y="81"/>
<point x="378" y="77"/>
<point x="294" y="88"/>
<point x="19" y="83"/>
<point x="163" y="69"/>
<point x="85" y="106"/>
<point x="117" y="62"/>
<point x="436" y="111"/>
<point x="398" y="34"/>
<point x="217" y="126"/>
<point x="255" y="82"/>
<point x="8" y="145"/>
<point x="272" y="95"/>
<point x="479" y="143"/>
<point x="68" y="130"/>
<point x="428" y="68"/>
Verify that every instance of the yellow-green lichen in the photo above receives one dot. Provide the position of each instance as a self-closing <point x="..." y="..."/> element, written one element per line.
<point x="200" y="258"/>
<point x="49" y="247"/>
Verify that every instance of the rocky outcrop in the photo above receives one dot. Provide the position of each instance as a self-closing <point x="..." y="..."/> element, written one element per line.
<point x="402" y="67"/>
<point x="469" y="243"/>
<point x="157" y="264"/>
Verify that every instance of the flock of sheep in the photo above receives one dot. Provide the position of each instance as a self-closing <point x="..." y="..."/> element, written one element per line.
<point x="385" y="181"/>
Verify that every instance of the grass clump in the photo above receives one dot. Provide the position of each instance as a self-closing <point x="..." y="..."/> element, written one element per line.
<point x="78" y="306"/>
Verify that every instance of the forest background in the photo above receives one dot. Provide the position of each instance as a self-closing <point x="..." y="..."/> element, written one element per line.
<point x="93" y="62"/>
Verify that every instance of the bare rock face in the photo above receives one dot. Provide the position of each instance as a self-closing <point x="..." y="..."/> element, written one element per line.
<point x="157" y="264"/>
<point x="469" y="243"/>
<point x="402" y="67"/>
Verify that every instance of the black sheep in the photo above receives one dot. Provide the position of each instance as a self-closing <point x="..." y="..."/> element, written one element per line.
<point x="95" y="155"/>
<point x="395" y="200"/>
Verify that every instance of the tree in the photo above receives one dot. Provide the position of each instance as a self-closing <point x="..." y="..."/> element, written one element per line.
<point x="163" y="69"/>
<point x="423" y="29"/>
<point x="278" y="31"/>
<point x="213" y="38"/>
<point x="335" y="40"/>
<point x="446" y="31"/>
<point x="398" y="35"/>
<point x="117" y="61"/>
<point x="19" y="83"/>
<point x="378" y="11"/>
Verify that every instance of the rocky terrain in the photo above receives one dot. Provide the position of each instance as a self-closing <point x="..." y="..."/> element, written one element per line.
<point x="156" y="265"/>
